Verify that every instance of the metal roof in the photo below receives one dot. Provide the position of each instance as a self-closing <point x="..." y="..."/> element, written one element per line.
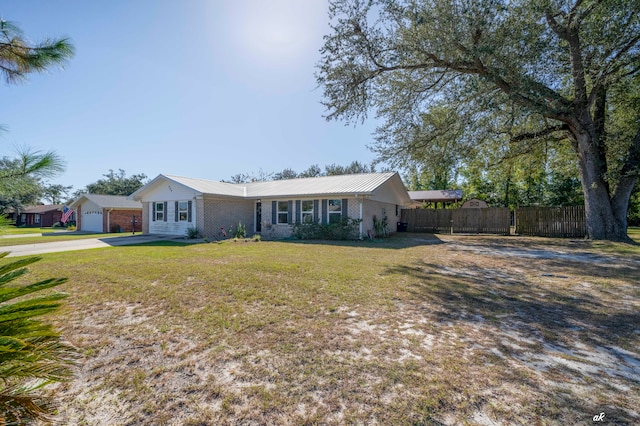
<point x="365" y="183"/>
<point x="210" y="187"/>
<point x="109" y="201"/>
<point x="437" y="196"/>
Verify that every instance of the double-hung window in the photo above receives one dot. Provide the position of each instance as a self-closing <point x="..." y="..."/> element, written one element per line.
<point x="283" y="212"/>
<point x="335" y="211"/>
<point x="159" y="211"/>
<point x="307" y="211"/>
<point x="183" y="211"/>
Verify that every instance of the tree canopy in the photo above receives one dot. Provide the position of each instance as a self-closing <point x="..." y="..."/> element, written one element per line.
<point x="21" y="177"/>
<point x="19" y="57"/>
<point x="312" y="171"/>
<point x="500" y="77"/>
<point x="117" y="183"/>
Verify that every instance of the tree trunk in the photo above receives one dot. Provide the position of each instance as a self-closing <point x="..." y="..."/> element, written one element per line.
<point x="605" y="219"/>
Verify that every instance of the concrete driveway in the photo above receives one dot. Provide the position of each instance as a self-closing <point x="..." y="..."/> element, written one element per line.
<point x="84" y="244"/>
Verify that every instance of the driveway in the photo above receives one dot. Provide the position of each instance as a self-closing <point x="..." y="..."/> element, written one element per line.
<point x="84" y="244"/>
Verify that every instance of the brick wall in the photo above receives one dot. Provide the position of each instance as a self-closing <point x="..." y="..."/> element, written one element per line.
<point x="122" y="219"/>
<point x="225" y="214"/>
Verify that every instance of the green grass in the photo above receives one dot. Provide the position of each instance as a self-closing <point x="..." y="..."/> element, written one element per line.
<point x="13" y="230"/>
<point x="50" y="237"/>
<point x="392" y="332"/>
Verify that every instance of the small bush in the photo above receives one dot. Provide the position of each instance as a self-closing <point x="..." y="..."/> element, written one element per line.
<point x="241" y="231"/>
<point x="192" y="233"/>
<point x="380" y="227"/>
<point x="257" y="238"/>
<point x="346" y="229"/>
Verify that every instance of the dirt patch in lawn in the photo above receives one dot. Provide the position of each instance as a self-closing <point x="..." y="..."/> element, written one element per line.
<point x="464" y="329"/>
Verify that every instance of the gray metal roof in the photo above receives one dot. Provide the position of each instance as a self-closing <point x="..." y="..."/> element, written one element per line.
<point x="209" y="186"/>
<point x="109" y="201"/>
<point x="364" y="184"/>
<point x="437" y="196"/>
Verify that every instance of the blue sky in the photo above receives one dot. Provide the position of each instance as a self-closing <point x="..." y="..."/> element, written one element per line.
<point x="197" y="88"/>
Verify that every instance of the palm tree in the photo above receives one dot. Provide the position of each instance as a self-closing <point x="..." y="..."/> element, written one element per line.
<point x="19" y="58"/>
<point x="31" y="351"/>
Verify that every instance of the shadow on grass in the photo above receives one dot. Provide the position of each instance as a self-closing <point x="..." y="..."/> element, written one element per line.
<point x="545" y="324"/>
<point x="484" y="294"/>
<point x="400" y="240"/>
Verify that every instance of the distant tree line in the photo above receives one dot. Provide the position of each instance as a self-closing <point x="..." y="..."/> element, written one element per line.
<point x="312" y="171"/>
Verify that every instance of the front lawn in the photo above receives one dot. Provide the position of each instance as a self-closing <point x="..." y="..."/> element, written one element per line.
<point x="14" y="230"/>
<point x="413" y="330"/>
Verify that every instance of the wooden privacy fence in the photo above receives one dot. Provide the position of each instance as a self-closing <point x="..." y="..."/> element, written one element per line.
<point x="481" y="221"/>
<point x="551" y="221"/>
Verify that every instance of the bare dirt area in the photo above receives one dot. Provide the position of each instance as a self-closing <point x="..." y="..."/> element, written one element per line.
<point x="413" y="330"/>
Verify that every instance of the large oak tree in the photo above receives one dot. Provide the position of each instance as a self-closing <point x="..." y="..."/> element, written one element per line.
<point x="524" y="71"/>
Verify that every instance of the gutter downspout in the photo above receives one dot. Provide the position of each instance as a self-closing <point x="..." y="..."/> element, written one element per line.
<point x="360" y="216"/>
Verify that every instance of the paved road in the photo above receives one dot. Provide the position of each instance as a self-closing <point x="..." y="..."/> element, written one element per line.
<point x="89" y="243"/>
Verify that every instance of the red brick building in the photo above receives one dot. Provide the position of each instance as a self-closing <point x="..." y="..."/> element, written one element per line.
<point x="107" y="213"/>
<point x="39" y="216"/>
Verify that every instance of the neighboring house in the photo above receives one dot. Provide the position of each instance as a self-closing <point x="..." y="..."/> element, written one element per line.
<point x="107" y="213"/>
<point x="42" y="216"/>
<point x="173" y="204"/>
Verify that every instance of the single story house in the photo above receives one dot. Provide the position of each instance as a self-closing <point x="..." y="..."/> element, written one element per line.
<point x="107" y="213"/>
<point x="42" y="216"/>
<point x="173" y="204"/>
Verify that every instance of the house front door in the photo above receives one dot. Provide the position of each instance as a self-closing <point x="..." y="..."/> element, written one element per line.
<point x="258" y="216"/>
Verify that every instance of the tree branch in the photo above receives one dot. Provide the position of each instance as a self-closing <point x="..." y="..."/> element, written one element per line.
<point x="537" y="134"/>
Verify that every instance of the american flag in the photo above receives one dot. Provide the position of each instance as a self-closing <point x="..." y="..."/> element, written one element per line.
<point x="66" y="214"/>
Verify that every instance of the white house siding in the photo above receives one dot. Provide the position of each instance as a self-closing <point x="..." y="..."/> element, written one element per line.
<point x="170" y="193"/>
<point x="91" y="217"/>
<point x="227" y="213"/>
<point x="170" y="226"/>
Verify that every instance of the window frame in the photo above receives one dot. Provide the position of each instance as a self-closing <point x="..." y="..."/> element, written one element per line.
<point x="308" y="213"/>
<point x="182" y="211"/>
<point x="280" y="212"/>
<point x="334" y="212"/>
<point x="159" y="211"/>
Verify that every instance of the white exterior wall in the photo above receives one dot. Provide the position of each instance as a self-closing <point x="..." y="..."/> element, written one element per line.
<point x="170" y="193"/>
<point x="91" y="217"/>
<point x="380" y="209"/>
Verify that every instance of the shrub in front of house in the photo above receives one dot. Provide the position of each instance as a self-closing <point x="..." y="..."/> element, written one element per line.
<point x="345" y="229"/>
<point x="192" y="233"/>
